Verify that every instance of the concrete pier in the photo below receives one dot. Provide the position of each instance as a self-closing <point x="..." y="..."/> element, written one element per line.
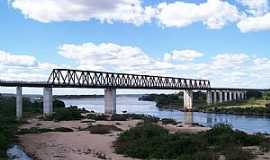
<point x="230" y="96"/>
<point x="19" y="102"/>
<point x="242" y="96"/>
<point x="188" y="100"/>
<point x="234" y="96"/>
<point x="225" y="96"/>
<point x="209" y="97"/>
<point x="215" y="97"/>
<point x="47" y="101"/>
<point x="188" y="118"/>
<point x="110" y="100"/>
<point x="220" y="93"/>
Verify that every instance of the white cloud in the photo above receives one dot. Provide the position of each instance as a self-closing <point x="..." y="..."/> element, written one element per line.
<point x="182" y="55"/>
<point x="17" y="60"/>
<point x="249" y="15"/>
<point x="127" y="11"/>
<point x="256" y="7"/>
<point x="112" y="57"/>
<point x="23" y="67"/>
<point x="230" y="60"/>
<point x="213" y="13"/>
<point x="252" y="24"/>
<point x="224" y="69"/>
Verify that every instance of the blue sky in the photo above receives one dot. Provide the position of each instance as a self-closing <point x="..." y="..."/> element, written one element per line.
<point x="224" y="41"/>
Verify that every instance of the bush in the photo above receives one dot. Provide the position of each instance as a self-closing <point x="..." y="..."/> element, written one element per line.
<point x="236" y="153"/>
<point x="103" y="129"/>
<point x="223" y="135"/>
<point x="150" y="141"/>
<point x="119" y="117"/>
<point x="8" y="123"/>
<point x="97" y="117"/>
<point x="65" y="114"/>
<point x="266" y="95"/>
<point x="168" y="121"/>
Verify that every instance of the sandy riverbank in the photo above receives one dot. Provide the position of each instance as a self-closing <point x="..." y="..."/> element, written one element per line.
<point x="80" y="145"/>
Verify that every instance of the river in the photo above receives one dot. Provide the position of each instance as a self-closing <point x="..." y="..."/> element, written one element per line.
<point x="131" y="104"/>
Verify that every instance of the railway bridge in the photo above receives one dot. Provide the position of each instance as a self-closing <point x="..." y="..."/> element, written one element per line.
<point x="109" y="81"/>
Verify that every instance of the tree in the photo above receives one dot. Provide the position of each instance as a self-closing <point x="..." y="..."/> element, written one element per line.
<point x="266" y="95"/>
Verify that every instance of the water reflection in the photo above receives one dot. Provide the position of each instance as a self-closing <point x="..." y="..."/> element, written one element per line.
<point x="132" y="105"/>
<point x="188" y="118"/>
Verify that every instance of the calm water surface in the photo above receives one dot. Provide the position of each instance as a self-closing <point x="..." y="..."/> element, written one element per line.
<point x="131" y="104"/>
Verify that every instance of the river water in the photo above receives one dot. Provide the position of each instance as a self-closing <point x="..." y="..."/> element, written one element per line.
<point x="131" y="104"/>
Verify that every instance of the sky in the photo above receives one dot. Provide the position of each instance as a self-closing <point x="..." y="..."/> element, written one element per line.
<point x="225" y="41"/>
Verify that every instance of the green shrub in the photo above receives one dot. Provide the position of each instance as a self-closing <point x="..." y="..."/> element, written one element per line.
<point x="223" y="135"/>
<point x="119" y="117"/>
<point x="8" y="123"/>
<point x="237" y="153"/>
<point x="97" y="117"/>
<point x="168" y="121"/>
<point x="103" y="129"/>
<point x="150" y="141"/>
<point x="66" y="114"/>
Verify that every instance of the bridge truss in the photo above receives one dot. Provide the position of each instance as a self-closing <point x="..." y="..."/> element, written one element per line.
<point x="95" y="79"/>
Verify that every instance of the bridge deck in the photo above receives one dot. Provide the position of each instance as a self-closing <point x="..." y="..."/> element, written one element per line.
<point x="43" y="84"/>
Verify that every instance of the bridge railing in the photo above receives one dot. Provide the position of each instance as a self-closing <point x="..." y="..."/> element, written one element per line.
<point x="95" y="79"/>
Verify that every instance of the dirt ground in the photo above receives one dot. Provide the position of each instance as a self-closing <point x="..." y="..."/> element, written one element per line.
<point x="82" y="145"/>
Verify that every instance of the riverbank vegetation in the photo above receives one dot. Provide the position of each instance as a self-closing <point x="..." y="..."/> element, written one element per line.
<point x="151" y="141"/>
<point x="66" y="114"/>
<point x="173" y="101"/>
<point x="8" y="122"/>
<point x="257" y="103"/>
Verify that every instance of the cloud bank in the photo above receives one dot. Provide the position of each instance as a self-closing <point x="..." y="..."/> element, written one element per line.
<point x="248" y="15"/>
<point x="223" y="69"/>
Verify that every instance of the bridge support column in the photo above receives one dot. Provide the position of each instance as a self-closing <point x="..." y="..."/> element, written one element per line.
<point x="215" y="97"/>
<point x="188" y="118"/>
<point x="188" y="99"/>
<point x="220" y="93"/>
<point x="19" y="102"/>
<point x="47" y="101"/>
<point x="110" y="100"/>
<point x="225" y="96"/>
<point x="242" y="95"/>
<point x="209" y="98"/>
<point x="235" y="96"/>
<point x="230" y="96"/>
<point x="238" y="95"/>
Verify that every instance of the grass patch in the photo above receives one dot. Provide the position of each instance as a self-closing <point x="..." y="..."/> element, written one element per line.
<point x="150" y="141"/>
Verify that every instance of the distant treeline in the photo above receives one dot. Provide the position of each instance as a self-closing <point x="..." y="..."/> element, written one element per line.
<point x="78" y="96"/>
<point x="174" y="100"/>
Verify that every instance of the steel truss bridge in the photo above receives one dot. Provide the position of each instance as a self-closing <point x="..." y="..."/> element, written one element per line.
<point x="68" y="78"/>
